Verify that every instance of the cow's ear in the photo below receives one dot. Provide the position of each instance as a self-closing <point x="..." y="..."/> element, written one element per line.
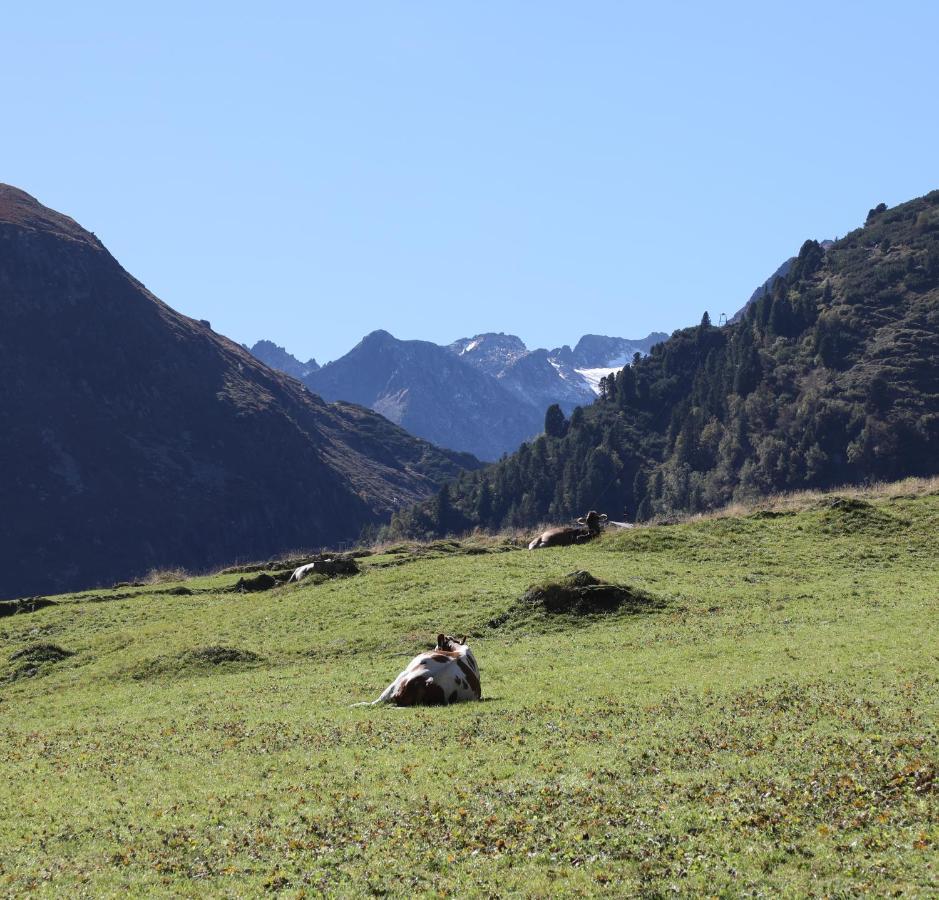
<point x="461" y="639"/>
<point x="579" y="521"/>
<point x="441" y="642"/>
<point x="603" y="517"/>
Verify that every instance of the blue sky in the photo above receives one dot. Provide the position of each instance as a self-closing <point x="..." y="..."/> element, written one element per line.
<point x="309" y="172"/>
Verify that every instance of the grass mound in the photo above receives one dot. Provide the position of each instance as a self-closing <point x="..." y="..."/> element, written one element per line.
<point x="40" y="653"/>
<point x="31" y="660"/>
<point x="290" y="562"/>
<point x="215" y="656"/>
<point x="414" y="551"/>
<point x="576" y="595"/>
<point x="261" y="582"/>
<point x="24" y="605"/>
<point x="852" y="515"/>
<point x="324" y="567"/>
<point x="198" y="661"/>
<point x="580" y="593"/>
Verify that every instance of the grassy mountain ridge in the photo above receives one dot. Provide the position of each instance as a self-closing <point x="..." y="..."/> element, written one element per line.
<point x="830" y="378"/>
<point x="767" y="726"/>
<point x="135" y="437"/>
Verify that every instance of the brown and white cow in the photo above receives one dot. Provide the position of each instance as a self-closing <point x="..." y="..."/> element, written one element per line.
<point x="588" y="527"/>
<point x="446" y="674"/>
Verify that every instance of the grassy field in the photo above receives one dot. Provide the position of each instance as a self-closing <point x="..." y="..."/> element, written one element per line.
<point x="767" y="726"/>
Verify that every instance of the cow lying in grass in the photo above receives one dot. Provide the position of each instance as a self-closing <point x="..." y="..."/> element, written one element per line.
<point x="446" y="674"/>
<point x="588" y="527"/>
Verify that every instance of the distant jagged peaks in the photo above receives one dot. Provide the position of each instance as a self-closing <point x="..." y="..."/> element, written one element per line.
<point x="491" y="352"/>
<point x="598" y="350"/>
<point x="498" y="352"/>
<point x="278" y="358"/>
<point x="483" y="394"/>
<point x="431" y="392"/>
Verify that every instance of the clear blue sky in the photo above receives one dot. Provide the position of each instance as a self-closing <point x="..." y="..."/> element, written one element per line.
<point x="309" y="172"/>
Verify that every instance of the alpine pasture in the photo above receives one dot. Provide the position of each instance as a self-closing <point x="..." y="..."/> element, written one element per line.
<point x="763" y="723"/>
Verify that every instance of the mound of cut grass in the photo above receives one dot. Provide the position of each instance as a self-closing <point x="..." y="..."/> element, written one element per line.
<point x="197" y="661"/>
<point x="24" y="605"/>
<point x="576" y="595"/>
<point x="850" y="515"/>
<point x="263" y="581"/>
<point x="29" y="661"/>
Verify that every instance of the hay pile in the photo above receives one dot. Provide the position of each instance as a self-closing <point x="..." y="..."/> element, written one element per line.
<point x="573" y="596"/>
<point x="580" y="593"/>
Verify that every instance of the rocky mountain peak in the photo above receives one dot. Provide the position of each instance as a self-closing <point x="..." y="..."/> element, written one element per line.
<point x="491" y="352"/>
<point x="278" y="358"/>
<point x="25" y="211"/>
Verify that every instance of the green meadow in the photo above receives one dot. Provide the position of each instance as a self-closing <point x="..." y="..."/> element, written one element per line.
<point x="764" y="725"/>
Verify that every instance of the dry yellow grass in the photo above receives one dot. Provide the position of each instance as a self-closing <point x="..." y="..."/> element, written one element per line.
<point x="802" y="500"/>
<point x="165" y="576"/>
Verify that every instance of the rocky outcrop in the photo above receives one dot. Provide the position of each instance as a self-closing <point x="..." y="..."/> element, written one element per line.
<point x="278" y="358"/>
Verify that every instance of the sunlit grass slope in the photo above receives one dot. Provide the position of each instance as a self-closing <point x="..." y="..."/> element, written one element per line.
<point x="769" y="726"/>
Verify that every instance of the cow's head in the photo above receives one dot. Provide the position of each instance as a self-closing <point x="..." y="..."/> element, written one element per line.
<point x="592" y="521"/>
<point x="445" y="642"/>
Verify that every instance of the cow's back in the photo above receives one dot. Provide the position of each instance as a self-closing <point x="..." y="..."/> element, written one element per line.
<point x="438" y="677"/>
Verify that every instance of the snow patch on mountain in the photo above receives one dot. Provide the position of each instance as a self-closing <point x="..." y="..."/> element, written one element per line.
<point x="558" y="368"/>
<point x="593" y="376"/>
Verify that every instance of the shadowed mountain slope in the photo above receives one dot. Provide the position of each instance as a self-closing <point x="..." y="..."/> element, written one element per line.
<point x="134" y="437"/>
<point x="431" y="392"/>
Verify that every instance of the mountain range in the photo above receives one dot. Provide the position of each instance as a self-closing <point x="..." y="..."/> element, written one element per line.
<point x="484" y="395"/>
<point x="134" y="437"/>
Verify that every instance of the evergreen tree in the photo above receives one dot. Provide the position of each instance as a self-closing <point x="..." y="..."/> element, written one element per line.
<point x="442" y="513"/>
<point x="555" y="425"/>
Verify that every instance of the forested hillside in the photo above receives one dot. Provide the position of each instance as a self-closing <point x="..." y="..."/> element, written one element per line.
<point x="832" y="377"/>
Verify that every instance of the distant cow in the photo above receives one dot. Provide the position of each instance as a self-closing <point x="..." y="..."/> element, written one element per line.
<point x="588" y="527"/>
<point x="329" y="566"/>
<point x="446" y="674"/>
